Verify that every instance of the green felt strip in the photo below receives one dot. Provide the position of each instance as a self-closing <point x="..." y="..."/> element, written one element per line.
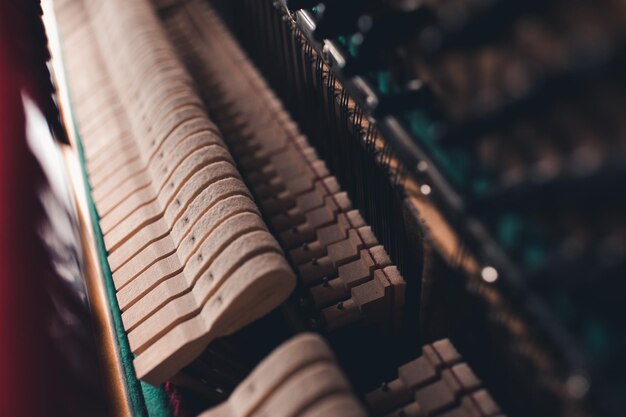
<point x="145" y="400"/>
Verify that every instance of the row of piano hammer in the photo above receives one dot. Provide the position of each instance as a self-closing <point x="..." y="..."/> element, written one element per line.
<point x="190" y="255"/>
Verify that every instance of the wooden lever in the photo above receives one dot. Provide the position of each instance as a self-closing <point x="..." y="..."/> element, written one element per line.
<point x="189" y="254"/>
<point x="300" y="378"/>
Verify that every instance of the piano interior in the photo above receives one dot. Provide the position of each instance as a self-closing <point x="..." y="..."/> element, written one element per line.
<point x="290" y="208"/>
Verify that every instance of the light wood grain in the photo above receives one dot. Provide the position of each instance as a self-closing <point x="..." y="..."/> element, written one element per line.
<point x="298" y="378"/>
<point x="171" y="201"/>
